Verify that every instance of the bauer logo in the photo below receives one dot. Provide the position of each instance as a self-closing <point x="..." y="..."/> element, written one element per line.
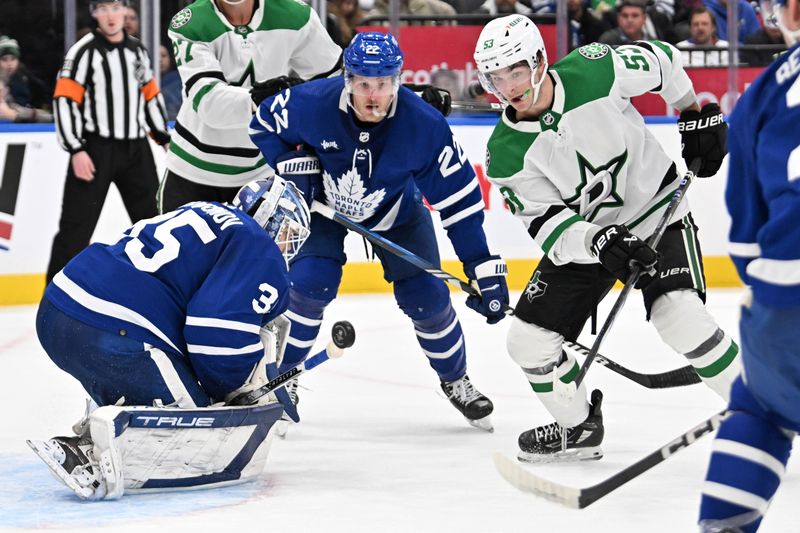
<point x="593" y="51"/>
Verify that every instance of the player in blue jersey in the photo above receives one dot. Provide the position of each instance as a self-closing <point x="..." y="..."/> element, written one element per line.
<point x="378" y="149"/>
<point x="175" y="312"/>
<point x="763" y="196"/>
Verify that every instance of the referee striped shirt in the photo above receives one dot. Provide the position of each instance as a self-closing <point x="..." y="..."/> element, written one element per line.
<point x="107" y="89"/>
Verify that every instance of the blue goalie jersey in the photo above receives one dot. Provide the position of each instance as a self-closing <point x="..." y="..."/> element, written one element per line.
<point x="199" y="281"/>
<point x="374" y="173"/>
<point x="763" y="191"/>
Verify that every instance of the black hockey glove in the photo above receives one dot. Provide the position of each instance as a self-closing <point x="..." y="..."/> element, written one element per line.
<point x="490" y="274"/>
<point x="302" y="169"/>
<point x="619" y="250"/>
<point x="264" y="89"/>
<point x="160" y="137"/>
<point x="438" y="98"/>
<point x="704" y="135"/>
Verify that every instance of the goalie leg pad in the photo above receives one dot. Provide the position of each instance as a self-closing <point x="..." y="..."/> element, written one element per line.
<point x="159" y="449"/>
<point x="686" y="326"/>
<point x="538" y="352"/>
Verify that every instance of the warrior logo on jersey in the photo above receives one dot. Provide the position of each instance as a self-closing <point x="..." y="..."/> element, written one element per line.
<point x="593" y="51"/>
<point x="598" y="186"/>
<point x="536" y="287"/>
<point x="347" y="195"/>
<point x="181" y="18"/>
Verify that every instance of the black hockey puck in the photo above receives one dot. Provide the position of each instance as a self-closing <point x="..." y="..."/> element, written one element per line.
<point x="343" y="334"/>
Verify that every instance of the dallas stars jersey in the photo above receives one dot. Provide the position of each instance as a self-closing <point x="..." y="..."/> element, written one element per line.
<point x="590" y="161"/>
<point x="198" y="281"/>
<point x="763" y="191"/>
<point x="218" y="63"/>
<point x="373" y="174"/>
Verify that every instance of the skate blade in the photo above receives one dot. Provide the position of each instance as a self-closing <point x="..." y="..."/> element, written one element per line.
<point x="42" y="449"/>
<point x="593" y="453"/>
<point x="484" y="423"/>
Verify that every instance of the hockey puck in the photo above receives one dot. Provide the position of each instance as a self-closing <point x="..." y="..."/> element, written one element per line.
<point x="343" y="334"/>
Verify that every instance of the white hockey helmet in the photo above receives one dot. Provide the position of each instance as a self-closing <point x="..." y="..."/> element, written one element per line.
<point x="278" y="206"/>
<point x="506" y="41"/>
<point x="785" y="15"/>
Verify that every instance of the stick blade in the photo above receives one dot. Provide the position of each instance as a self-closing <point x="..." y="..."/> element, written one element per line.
<point x="527" y="481"/>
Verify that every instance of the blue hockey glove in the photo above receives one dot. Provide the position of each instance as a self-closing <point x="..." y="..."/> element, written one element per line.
<point x="490" y="274"/>
<point x="303" y="170"/>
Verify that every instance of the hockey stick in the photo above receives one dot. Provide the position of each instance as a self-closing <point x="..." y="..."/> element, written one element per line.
<point x="674" y="378"/>
<point x="565" y="392"/>
<point x="481" y="107"/>
<point x="343" y="336"/>
<point x="526" y="481"/>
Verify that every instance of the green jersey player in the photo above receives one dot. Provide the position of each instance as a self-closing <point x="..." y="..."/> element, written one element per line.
<point x="576" y="164"/>
<point x="224" y="51"/>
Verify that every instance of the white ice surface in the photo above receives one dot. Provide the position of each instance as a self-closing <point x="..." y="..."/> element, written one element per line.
<point x="379" y="449"/>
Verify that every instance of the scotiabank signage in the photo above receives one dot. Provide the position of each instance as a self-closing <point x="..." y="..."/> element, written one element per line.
<point x="429" y="49"/>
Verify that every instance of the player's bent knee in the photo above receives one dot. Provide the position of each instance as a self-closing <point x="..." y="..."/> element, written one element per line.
<point x="531" y="346"/>
<point x="316" y="277"/>
<point x="682" y="320"/>
<point x="421" y="296"/>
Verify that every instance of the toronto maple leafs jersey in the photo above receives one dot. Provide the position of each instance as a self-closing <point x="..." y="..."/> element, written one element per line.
<point x="218" y="63"/>
<point x="199" y="281"/>
<point x="763" y="190"/>
<point x="589" y="161"/>
<point x="373" y="174"/>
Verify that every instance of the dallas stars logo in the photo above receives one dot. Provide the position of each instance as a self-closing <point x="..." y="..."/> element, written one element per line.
<point x="593" y="51"/>
<point x="598" y="186"/>
<point x="535" y="288"/>
<point x="181" y="18"/>
<point x="249" y="73"/>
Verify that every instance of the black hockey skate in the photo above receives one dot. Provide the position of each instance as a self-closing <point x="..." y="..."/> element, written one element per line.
<point x="469" y="401"/>
<point x="553" y="443"/>
<point x="71" y="460"/>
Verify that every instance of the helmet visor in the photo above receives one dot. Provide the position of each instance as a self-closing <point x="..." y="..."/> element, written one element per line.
<point x="368" y="86"/>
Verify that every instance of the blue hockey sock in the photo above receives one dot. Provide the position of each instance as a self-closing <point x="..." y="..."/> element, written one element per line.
<point x="442" y="341"/>
<point x="306" y="316"/>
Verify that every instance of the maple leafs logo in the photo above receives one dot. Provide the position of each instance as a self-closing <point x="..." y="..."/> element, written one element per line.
<point x="347" y="195"/>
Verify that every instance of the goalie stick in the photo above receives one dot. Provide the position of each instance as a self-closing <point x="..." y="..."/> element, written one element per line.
<point x="343" y="335"/>
<point x="675" y="378"/>
<point x="577" y="498"/>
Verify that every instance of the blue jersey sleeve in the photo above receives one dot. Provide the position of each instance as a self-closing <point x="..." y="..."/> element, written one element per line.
<point x="274" y="128"/>
<point x="450" y="185"/>
<point x="247" y="288"/>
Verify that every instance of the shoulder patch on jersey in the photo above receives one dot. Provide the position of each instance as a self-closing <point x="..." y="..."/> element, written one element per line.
<point x="181" y="18"/>
<point x="593" y="50"/>
<point x="284" y="15"/>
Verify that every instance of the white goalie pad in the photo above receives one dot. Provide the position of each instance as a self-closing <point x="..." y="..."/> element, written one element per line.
<point x="149" y="449"/>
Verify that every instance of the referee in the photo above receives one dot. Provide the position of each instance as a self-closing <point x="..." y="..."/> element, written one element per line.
<point x="106" y="101"/>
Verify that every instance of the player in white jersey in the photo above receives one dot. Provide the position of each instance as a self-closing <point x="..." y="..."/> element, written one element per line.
<point x="576" y="164"/>
<point x="224" y="51"/>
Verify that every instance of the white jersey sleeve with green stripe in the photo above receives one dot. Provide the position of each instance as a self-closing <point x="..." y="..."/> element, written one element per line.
<point x="218" y="63"/>
<point x="589" y="161"/>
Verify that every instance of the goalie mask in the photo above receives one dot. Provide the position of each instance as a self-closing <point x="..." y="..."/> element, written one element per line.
<point x="784" y="15"/>
<point x="372" y="65"/>
<point x="280" y="209"/>
<point x="505" y="42"/>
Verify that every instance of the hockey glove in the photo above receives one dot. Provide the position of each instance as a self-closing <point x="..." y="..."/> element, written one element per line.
<point x="438" y="98"/>
<point x="704" y="135"/>
<point x="264" y="89"/>
<point x="619" y="250"/>
<point x="302" y="169"/>
<point x="490" y="274"/>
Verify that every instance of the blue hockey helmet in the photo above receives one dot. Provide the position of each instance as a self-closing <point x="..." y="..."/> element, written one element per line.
<point x="374" y="55"/>
<point x="278" y="207"/>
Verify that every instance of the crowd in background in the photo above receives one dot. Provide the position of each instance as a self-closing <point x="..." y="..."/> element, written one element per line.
<point x="31" y="46"/>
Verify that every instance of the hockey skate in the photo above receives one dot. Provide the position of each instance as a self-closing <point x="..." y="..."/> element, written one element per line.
<point x="71" y="460"/>
<point x="469" y="401"/>
<point x="282" y="425"/>
<point x="553" y="443"/>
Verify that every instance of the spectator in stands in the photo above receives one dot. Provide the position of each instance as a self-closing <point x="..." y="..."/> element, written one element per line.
<point x="449" y="81"/>
<point x="424" y="8"/>
<point x="768" y="35"/>
<point x="132" y="21"/>
<point x="680" y="22"/>
<point x="508" y="7"/>
<point x="585" y="26"/>
<point x="170" y="82"/>
<point x="703" y="28"/>
<point x="748" y="20"/>
<point x="635" y="22"/>
<point x="25" y="89"/>
<point x="346" y="15"/>
<point x="13" y="112"/>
